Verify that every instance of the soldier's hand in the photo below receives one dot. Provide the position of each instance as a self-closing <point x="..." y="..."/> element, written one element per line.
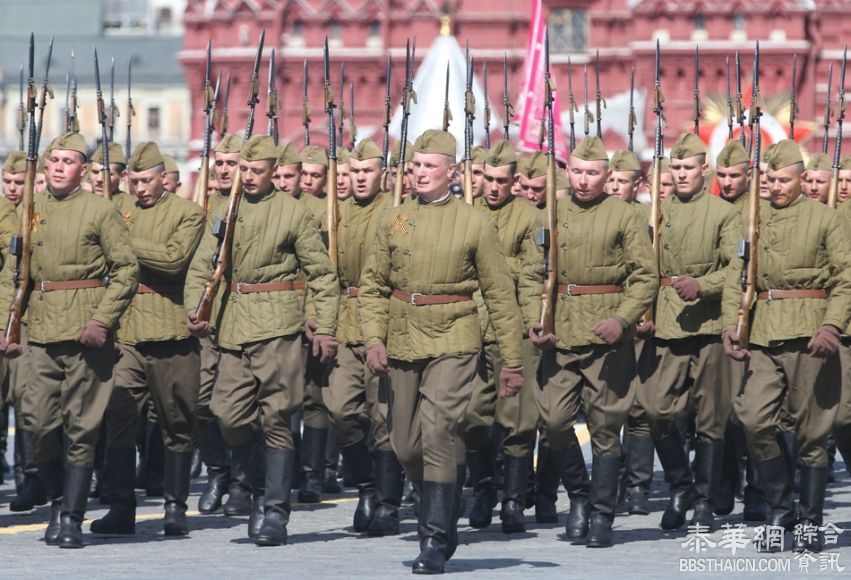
<point x="730" y="340"/>
<point x="309" y="328"/>
<point x="686" y="288"/>
<point x="325" y="347"/>
<point x="93" y="334"/>
<point x="646" y="331"/>
<point x="610" y="330"/>
<point x="9" y="350"/>
<point x="196" y="328"/>
<point x="824" y="342"/>
<point x="541" y="340"/>
<point x="376" y="359"/>
<point x="510" y="381"/>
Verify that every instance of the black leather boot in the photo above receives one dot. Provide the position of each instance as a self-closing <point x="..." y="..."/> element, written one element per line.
<point x="52" y="475"/>
<point x="730" y="480"/>
<point x="359" y="460"/>
<point x="671" y="451"/>
<point x="250" y="458"/>
<point x="481" y="462"/>
<point x="546" y="487"/>
<point x="709" y="456"/>
<point x="514" y="494"/>
<point x="74" y="499"/>
<point x="330" y="483"/>
<point x="389" y="481"/>
<point x="32" y="491"/>
<point x="774" y="478"/>
<point x="121" y="517"/>
<point x="197" y="464"/>
<point x="604" y="495"/>
<point x="154" y="460"/>
<point x="755" y="507"/>
<point x="178" y="465"/>
<point x="213" y="451"/>
<point x="280" y="464"/>
<point x="810" y="509"/>
<point x="574" y="476"/>
<point x="639" y="474"/>
<point x="789" y="447"/>
<point x="434" y="527"/>
<point x="457" y="509"/>
<point x="312" y="463"/>
<point x="239" y="493"/>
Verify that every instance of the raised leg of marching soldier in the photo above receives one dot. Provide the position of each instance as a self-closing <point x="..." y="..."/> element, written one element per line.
<point x="314" y="432"/>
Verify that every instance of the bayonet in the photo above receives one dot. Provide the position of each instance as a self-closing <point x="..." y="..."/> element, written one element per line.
<point x="104" y="125"/>
<point x="469" y="116"/>
<point x="601" y="102"/>
<point x="113" y="110"/>
<point x="487" y="110"/>
<point x="305" y="106"/>
<point x="828" y="110"/>
<point x="210" y="97"/>
<point x="696" y="90"/>
<point x="22" y="111"/>
<point x="408" y="95"/>
<point x="507" y="108"/>
<point x="632" y="119"/>
<point x="447" y="114"/>
<point x="272" y="100"/>
<point x="353" y="129"/>
<point x="756" y="104"/>
<point x="131" y="111"/>
<point x="72" y="123"/>
<point x="729" y="104"/>
<point x="832" y="195"/>
<point x="793" y="104"/>
<point x="740" y="106"/>
<point x="342" y="106"/>
<point x="572" y="107"/>
<point x="589" y="116"/>
<point x="225" y="121"/>
<point x="385" y="147"/>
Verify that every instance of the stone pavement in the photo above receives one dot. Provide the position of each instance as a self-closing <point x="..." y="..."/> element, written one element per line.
<point x="322" y="544"/>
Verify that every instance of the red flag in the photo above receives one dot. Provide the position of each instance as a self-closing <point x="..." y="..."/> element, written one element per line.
<point x="531" y="102"/>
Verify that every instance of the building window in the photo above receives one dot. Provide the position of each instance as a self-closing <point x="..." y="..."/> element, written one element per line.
<point x="374" y="38"/>
<point x="699" y="22"/>
<point x="296" y="37"/>
<point x="335" y="34"/>
<point x="154" y="120"/>
<point x="568" y="30"/>
<point x="739" y="21"/>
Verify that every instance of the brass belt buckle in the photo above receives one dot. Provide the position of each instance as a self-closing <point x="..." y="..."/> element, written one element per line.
<point x="414" y="296"/>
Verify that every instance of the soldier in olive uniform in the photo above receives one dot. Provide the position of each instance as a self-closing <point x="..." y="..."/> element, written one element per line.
<point x="803" y="304"/>
<point x="842" y="425"/>
<point x="816" y="178"/>
<point x="515" y="223"/>
<point x="14" y="176"/>
<point x="260" y="380"/>
<point x="420" y="324"/>
<point x="685" y="360"/>
<point x="607" y="279"/>
<point x="533" y="179"/>
<point x="407" y="186"/>
<point x="84" y="274"/>
<point x="159" y="359"/>
<point x="843" y="191"/>
<point x="171" y="181"/>
<point x="117" y="174"/>
<point x="344" y="184"/>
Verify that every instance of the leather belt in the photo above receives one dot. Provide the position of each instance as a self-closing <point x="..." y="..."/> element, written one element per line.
<point x="299" y="285"/>
<point x="47" y="286"/>
<point x="667" y="281"/>
<point x="577" y="290"/>
<point x="159" y="289"/>
<point x="418" y="299"/>
<point x="786" y="294"/>
<point x="244" y="288"/>
<point x="349" y="292"/>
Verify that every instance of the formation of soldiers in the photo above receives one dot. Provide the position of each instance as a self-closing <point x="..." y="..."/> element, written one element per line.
<point x="413" y="329"/>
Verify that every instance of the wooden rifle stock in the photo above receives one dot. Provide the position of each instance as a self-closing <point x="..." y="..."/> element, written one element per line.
<point x="748" y="254"/>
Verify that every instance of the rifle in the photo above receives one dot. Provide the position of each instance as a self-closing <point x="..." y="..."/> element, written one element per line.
<point x="655" y="222"/>
<point x="224" y="128"/>
<point x="548" y="235"/>
<point x="447" y="114"/>
<point x="469" y="115"/>
<point x="740" y="106"/>
<point x="793" y="105"/>
<point x="46" y="91"/>
<point x="589" y="116"/>
<point x="113" y="110"/>
<point x="67" y="108"/>
<point x="20" y="245"/>
<point x="72" y="123"/>
<point x="827" y="110"/>
<point x="342" y="102"/>
<point x="225" y="231"/>
<point x="571" y="104"/>
<point x="633" y="121"/>
<point x="385" y="147"/>
<point x="487" y="112"/>
<point x="408" y="94"/>
<point x="507" y="108"/>
<point x="22" y="111"/>
<point x="837" y="151"/>
<point x="696" y="90"/>
<point x="104" y="125"/>
<point x="272" y="101"/>
<point x="601" y="102"/>
<point x="210" y="97"/>
<point x="729" y="105"/>
<point x="748" y="246"/>
<point x="305" y="107"/>
<point x="353" y="129"/>
<point x="331" y="196"/>
<point x="131" y="111"/>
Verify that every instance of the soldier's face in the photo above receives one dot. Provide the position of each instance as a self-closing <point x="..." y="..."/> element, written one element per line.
<point x="147" y="185"/>
<point x="40" y="183"/>
<point x="816" y="184"/>
<point x="13" y="186"/>
<point x="365" y="178"/>
<point x="226" y="166"/>
<point x="843" y="191"/>
<point x="478" y="179"/>
<point x="689" y="175"/>
<point x="432" y="175"/>
<point x="96" y="174"/>
<point x="257" y="176"/>
<point x="288" y="178"/>
<point x="666" y="185"/>
<point x="497" y="183"/>
<point x="171" y="182"/>
<point x="784" y="184"/>
<point x="409" y="185"/>
<point x="314" y="176"/>
<point x="587" y="178"/>
<point x="732" y="181"/>
<point x="763" y="181"/>
<point x="534" y="190"/>
<point x="212" y="186"/>
<point x="344" y="185"/>
<point x="66" y="170"/>
<point x="624" y="184"/>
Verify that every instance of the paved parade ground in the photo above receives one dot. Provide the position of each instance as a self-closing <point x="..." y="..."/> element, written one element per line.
<point x="322" y="545"/>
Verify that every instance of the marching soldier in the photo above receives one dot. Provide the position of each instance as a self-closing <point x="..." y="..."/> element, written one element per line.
<point x="420" y="325"/>
<point x="607" y="280"/>
<point x="731" y="171"/>
<point x="843" y="191"/>
<point x="84" y="275"/>
<point x="408" y="188"/>
<point x="515" y="223"/>
<point x="117" y="174"/>
<point x="685" y="360"/>
<point x="344" y="184"/>
<point x="533" y="179"/>
<point x="14" y="175"/>
<point x="816" y="178"/>
<point x="803" y="304"/>
<point x="288" y="170"/>
<point x="260" y="379"/>
<point x="159" y="360"/>
<point x="171" y="181"/>
<point x="626" y="179"/>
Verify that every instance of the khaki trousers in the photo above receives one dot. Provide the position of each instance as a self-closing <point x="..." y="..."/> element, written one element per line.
<point x="314" y="412"/>
<point x="210" y="356"/>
